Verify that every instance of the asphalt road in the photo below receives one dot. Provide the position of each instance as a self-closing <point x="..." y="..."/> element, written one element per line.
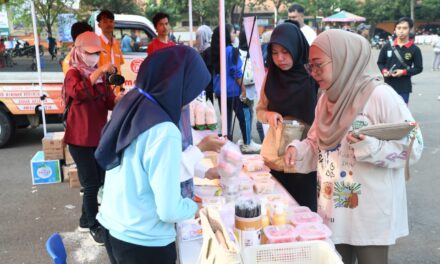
<point x="30" y="214"/>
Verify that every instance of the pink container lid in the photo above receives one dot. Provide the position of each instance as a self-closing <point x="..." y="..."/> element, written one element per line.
<point x="303" y="218"/>
<point x="280" y="233"/>
<point x="313" y="231"/>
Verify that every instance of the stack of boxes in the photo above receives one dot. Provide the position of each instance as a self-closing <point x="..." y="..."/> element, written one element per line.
<point x="45" y="165"/>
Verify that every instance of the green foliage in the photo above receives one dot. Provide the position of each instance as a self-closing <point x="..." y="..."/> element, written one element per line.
<point x="116" y="6"/>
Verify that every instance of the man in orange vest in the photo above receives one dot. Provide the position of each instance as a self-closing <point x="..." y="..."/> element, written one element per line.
<point x="112" y="53"/>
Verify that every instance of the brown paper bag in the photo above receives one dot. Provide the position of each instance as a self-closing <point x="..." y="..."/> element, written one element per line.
<point x="217" y="247"/>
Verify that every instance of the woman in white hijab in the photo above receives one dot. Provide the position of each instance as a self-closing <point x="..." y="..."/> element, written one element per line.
<point x="203" y="38"/>
<point x="361" y="182"/>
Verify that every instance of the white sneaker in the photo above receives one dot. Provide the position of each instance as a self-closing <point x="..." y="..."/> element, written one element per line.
<point x="256" y="145"/>
<point x="248" y="149"/>
<point x="240" y="142"/>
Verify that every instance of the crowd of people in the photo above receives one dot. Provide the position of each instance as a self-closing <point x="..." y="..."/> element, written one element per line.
<point x="327" y="82"/>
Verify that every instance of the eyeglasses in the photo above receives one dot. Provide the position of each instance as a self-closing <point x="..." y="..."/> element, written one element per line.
<point x="310" y="67"/>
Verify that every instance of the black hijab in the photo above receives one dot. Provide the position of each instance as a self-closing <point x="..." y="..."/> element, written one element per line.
<point x="172" y="77"/>
<point x="292" y="92"/>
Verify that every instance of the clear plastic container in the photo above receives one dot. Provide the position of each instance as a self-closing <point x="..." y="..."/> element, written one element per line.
<point x="280" y="234"/>
<point x="261" y="176"/>
<point x="313" y="231"/>
<point x="305" y="218"/>
<point x="261" y="187"/>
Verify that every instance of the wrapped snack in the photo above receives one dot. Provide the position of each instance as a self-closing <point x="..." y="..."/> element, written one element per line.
<point x="305" y="218"/>
<point x="210" y="116"/>
<point x="261" y="176"/>
<point x="229" y="160"/>
<point x="200" y="123"/>
<point x="264" y="187"/>
<point x="280" y="234"/>
<point x="246" y="187"/>
<point x="215" y="202"/>
<point x="313" y="231"/>
<point x="254" y="165"/>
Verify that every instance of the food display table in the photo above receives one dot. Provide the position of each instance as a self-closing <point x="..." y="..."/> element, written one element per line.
<point x="189" y="249"/>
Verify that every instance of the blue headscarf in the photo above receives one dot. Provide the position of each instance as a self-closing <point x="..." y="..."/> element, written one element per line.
<point x="167" y="80"/>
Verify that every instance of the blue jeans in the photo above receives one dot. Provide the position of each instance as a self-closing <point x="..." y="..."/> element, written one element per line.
<point x="244" y="116"/>
<point x="405" y="97"/>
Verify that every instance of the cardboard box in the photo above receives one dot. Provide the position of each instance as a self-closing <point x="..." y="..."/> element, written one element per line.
<point x="53" y="146"/>
<point x="73" y="178"/>
<point x="67" y="171"/>
<point x="44" y="171"/>
<point x="67" y="156"/>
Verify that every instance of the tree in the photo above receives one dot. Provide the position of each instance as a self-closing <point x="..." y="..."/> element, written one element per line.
<point x="115" y="6"/>
<point x="47" y="11"/>
<point x="50" y="9"/>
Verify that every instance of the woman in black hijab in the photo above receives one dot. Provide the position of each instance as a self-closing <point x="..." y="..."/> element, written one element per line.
<point x="140" y="148"/>
<point x="290" y="93"/>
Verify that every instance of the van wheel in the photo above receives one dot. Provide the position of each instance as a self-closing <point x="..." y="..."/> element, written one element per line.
<point x="6" y="128"/>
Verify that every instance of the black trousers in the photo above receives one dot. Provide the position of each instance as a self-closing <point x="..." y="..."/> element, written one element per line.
<point x="120" y="252"/>
<point x="91" y="177"/>
<point x="302" y="187"/>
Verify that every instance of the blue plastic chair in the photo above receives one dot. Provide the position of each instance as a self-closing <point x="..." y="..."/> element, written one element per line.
<point x="56" y="250"/>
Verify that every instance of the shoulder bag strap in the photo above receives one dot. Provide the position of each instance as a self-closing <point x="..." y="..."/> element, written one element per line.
<point x="399" y="57"/>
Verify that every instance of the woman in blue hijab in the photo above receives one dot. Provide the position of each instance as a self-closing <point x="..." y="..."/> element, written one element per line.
<point x="141" y="150"/>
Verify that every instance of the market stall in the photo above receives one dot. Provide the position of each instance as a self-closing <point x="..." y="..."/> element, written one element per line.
<point x="285" y="233"/>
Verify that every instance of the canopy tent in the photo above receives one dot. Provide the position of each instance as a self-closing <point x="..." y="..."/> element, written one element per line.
<point x="344" y="16"/>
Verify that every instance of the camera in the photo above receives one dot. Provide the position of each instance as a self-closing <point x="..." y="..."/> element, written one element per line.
<point x="115" y="79"/>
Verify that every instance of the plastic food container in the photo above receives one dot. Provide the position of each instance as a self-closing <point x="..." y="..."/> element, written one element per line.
<point x="280" y="234"/>
<point x="313" y="231"/>
<point x="213" y="201"/>
<point x="253" y="165"/>
<point x="261" y="176"/>
<point x="264" y="187"/>
<point x="305" y="218"/>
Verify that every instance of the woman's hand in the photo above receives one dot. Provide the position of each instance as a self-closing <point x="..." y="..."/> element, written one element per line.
<point x="290" y="157"/>
<point x="352" y="138"/>
<point x="273" y="118"/>
<point x="108" y="68"/>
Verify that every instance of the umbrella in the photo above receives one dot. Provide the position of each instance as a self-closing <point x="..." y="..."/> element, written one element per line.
<point x="344" y="16"/>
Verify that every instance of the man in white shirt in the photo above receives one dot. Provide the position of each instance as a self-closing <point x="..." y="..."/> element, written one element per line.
<point x="296" y="13"/>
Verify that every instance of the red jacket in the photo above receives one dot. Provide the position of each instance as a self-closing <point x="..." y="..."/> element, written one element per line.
<point x="88" y="111"/>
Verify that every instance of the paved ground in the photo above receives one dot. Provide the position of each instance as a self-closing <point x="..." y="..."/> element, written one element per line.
<point x="29" y="214"/>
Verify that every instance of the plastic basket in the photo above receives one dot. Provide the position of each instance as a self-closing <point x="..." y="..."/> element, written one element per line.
<point x="307" y="252"/>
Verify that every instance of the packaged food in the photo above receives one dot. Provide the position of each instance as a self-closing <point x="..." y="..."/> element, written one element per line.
<point x="229" y="160"/>
<point x="246" y="187"/>
<point x="313" y="231"/>
<point x="261" y="176"/>
<point x="248" y="221"/>
<point x="200" y="122"/>
<point x="304" y="218"/>
<point x="263" y="187"/>
<point x="213" y="201"/>
<point x="253" y="165"/>
<point x="279" y="215"/>
<point x="210" y="116"/>
<point x="280" y="234"/>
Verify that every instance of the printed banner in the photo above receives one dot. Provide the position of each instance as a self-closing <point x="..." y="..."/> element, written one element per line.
<point x="255" y="52"/>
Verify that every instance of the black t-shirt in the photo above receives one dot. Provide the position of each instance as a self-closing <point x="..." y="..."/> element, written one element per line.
<point x="411" y="55"/>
